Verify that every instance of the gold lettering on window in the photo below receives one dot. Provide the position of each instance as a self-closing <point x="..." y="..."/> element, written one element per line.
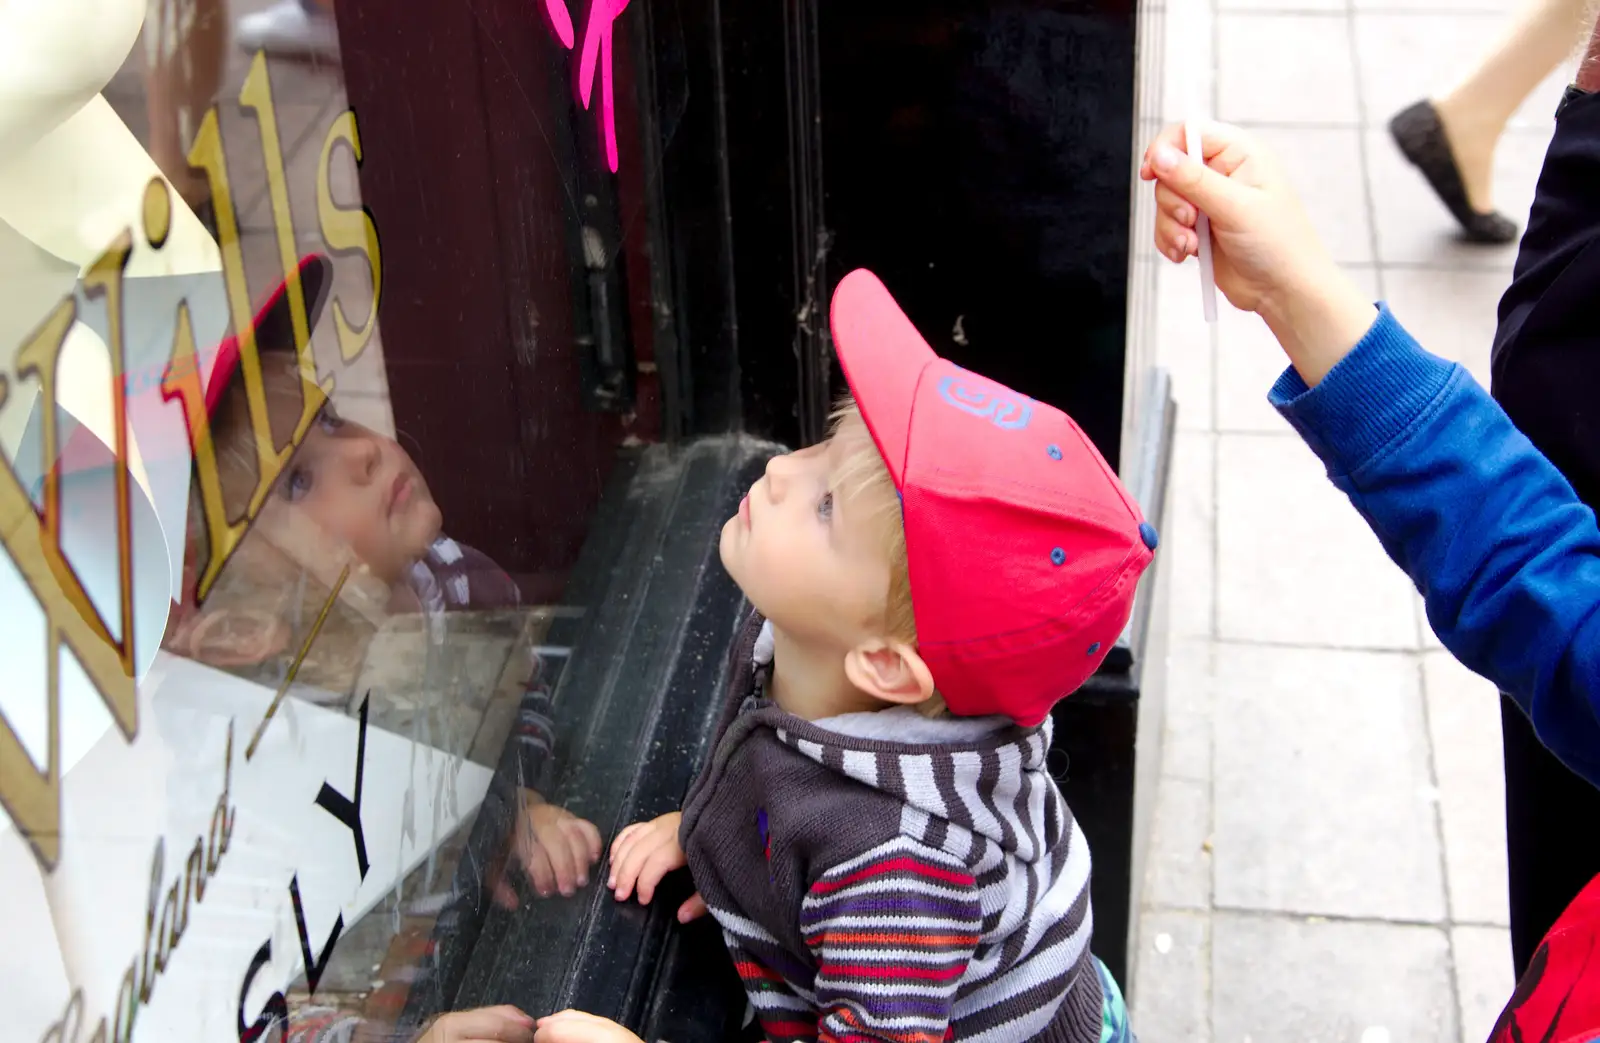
<point x="32" y="538"/>
<point x="348" y="230"/>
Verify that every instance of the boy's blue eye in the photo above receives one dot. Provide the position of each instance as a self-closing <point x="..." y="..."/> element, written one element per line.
<point x="296" y="484"/>
<point x="825" y="507"/>
<point x="330" y="419"/>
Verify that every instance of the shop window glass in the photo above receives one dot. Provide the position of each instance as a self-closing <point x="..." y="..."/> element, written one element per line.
<point x="300" y="459"/>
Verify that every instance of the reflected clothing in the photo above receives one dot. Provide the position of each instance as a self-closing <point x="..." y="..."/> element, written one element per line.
<point x="320" y="1025"/>
<point x="884" y="876"/>
<point x="452" y="577"/>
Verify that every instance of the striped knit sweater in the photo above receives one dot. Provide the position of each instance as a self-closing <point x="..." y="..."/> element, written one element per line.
<point x="881" y="876"/>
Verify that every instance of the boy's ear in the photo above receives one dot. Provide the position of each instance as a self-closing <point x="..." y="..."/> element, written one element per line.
<point x="891" y="671"/>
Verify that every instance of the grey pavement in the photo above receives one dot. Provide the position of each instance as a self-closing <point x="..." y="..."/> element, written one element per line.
<point x="1329" y="854"/>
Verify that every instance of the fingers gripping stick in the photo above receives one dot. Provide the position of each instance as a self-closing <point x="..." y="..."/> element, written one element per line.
<point x="1202" y="231"/>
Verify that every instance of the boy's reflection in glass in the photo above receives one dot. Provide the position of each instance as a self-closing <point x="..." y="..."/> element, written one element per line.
<point x="351" y="496"/>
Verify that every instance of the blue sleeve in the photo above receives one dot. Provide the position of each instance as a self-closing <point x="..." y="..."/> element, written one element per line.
<point x="1494" y="537"/>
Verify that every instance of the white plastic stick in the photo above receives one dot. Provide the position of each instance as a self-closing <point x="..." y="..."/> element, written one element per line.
<point x="1202" y="229"/>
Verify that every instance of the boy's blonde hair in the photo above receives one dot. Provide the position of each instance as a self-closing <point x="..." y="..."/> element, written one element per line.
<point x="863" y="475"/>
<point x="263" y="580"/>
<point x="233" y="431"/>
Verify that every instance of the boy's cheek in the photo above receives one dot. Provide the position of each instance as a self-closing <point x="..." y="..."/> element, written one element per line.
<point x="744" y="564"/>
<point x="728" y="551"/>
<point x="310" y="539"/>
<point x="335" y="534"/>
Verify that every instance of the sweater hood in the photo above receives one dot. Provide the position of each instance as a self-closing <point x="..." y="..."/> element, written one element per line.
<point x="948" y="769"/>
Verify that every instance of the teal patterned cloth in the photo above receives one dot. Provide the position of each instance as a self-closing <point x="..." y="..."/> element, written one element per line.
<point x="1114" y="1028"/>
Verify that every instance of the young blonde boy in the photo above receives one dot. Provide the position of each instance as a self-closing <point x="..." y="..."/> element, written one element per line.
<point x="876" y="831"/>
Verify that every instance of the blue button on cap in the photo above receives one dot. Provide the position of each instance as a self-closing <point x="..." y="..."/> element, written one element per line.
<point x="1147" y="533"/>
<point x="1058" y="556"/>
<point x="1094" y="648"/>
<point x="1055" y="452"/>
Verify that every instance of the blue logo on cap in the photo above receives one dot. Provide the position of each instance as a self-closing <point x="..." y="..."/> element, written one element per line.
<point x="1004" y="409"/>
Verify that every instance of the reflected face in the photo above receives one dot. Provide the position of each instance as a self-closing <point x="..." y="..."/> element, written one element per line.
<point x="809" y="554"/>
<point x="359" y="490"/>
<point x="347" y="495"/>
<point x="347" y="491"/>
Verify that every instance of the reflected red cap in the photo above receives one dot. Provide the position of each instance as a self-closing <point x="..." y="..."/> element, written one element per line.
<point x="273" y="324"/>
<point x="274" y="329"/>
<point x="1024" y="548"/>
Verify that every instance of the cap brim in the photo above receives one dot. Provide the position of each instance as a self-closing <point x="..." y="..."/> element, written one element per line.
<point x="273" y="324"/>
<point x="82" y="450"/>
<point x="883" y="357"/>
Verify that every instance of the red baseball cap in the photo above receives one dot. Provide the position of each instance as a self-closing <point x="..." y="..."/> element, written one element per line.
<point x="1024" y="549"/>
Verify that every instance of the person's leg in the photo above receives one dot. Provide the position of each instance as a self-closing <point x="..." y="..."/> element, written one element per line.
<point x="1552" y="851"/>
<point x="1451" y="138"/>
<point x="1475" y="111"/>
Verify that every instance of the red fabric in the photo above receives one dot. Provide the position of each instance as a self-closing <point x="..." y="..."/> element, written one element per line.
<point x="82" y="450"/>
<point x="1558" y="1000"/>
<point x="272" y="316"/>
<point x="1024" y="548"/>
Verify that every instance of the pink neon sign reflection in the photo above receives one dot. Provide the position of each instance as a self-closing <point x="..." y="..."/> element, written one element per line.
<point x="597" y="35"/>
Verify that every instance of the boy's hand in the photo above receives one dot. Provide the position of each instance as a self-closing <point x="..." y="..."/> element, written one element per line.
<point x="486" y="1025"/>
<point x="1266" y="255"/>
<point x="642" y="854"/>
<point x="574" y="1026"/>
<point x="554" y="847"/>
<point x="557" y="846"/>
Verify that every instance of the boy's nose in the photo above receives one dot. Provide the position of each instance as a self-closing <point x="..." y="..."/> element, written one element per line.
<point x="363" y="455"/>
<point x="779" y="470"/>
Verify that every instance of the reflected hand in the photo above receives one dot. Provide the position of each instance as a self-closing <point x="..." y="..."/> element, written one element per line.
<point x="574" y="1026"/>
<point x="504" y="1024"/>
<point x="642" y="854"/>
<point x="553" y="846"/>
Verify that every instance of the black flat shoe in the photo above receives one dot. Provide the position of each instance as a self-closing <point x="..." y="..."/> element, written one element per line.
<point x="1421" y="139"/>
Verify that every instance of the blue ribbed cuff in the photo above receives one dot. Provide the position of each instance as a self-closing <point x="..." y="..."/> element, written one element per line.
<point x="1370" y="398"/>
